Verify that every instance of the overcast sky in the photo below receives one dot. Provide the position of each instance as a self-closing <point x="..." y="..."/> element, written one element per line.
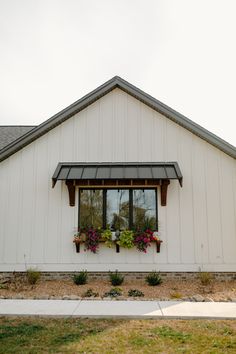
<point x="182" y="52"/>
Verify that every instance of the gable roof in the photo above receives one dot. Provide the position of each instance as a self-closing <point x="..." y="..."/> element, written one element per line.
<point x="9" y="133"/>
<point x="116" y="82"/>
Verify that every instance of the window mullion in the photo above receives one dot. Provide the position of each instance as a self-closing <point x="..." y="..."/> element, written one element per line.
<point x="104" y="208"/>
<point x="130" y="208"/>
<point x="156" y="195"/>
<point x="79" y="192"/>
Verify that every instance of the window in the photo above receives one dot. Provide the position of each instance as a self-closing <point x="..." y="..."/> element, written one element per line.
<point x="144" y="208"/>
<point x="118" y="208"/>
<point x="91" y="208"/>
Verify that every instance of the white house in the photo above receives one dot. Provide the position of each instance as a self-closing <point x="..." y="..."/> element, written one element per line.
<point x="123" y="147"/>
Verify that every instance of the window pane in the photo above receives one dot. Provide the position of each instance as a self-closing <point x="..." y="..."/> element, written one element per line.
<point x="91" y="206"/>
<point x="144" y="208"/>
<point x="118" y="209"/>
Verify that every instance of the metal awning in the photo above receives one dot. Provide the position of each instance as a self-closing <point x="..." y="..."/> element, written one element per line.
<point x="117" y="171"/>
<point x="117" y="174"/>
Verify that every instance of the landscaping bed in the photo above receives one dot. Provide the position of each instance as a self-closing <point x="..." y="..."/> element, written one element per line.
<point x="188" y="290"/>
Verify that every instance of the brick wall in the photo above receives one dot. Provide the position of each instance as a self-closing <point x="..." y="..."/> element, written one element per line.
<point x="128" y="275"/>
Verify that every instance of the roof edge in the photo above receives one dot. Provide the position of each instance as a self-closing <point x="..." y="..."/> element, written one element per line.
<point x="85" y="101"/>
<point x="179" y="119"/>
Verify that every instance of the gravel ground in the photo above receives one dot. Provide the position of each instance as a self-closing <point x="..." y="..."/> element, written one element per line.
<point x="168" y="290"/>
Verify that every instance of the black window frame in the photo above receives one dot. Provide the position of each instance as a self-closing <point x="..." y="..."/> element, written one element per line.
<point x="104" y="207"/>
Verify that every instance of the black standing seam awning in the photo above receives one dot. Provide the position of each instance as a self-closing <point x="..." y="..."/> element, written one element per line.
<point x="113" y="170"/>
<point x="79" y="172"/>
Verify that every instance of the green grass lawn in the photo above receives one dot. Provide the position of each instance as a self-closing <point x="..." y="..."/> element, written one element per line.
<point x="44" y="335"/>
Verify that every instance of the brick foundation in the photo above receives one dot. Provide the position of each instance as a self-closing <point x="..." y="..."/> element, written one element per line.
<point x="220" y="276"/>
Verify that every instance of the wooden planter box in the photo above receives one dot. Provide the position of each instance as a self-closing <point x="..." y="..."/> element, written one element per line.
<point x="158" y="246"/>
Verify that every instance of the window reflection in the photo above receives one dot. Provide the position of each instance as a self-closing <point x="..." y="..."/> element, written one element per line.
<point x="91" y="207"/>
<point x="144" y="208"/>
<point x="118" y="209"/>
<point x="124" y="208"/>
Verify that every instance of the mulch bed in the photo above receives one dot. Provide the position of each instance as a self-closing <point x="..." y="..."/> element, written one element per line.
<point x="168" y="290"/>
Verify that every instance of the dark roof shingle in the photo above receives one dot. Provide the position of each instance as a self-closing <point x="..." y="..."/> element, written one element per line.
<point x="9" y="133"/>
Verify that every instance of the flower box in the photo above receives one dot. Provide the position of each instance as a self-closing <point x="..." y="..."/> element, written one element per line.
<point x="141" y="239"/>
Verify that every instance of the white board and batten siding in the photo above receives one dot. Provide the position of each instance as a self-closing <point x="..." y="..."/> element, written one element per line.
<point x="198" y="225"/>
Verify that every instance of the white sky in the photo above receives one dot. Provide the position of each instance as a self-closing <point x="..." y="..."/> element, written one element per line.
<point x="182" y="52"/>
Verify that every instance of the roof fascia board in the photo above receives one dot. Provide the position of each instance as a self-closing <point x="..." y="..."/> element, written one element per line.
<point x="100" y="92"/>
<point x="178" y="118"/>
<point x="58" y="119"/>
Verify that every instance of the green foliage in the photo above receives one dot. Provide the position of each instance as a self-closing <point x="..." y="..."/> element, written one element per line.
<point x="90" y="293"/>
<point x="126" y="239"/>
<point x="80" y="278"/>
<point x="114" y="292"/>
<point x="205" y="278"/>
<point x="23" y="329"/>
<point x="135" y="293"/>
<point x="170" y="333"/>
<point x="106" y="236"/>
<point x="153" y="278"/>
<point x="33" y="275"/>
<point x="116" y="278"/>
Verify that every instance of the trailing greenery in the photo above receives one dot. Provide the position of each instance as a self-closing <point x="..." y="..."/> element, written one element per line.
<point x="126" y="239"/>
<point x="90" y="293"/>
<point x="135" y="293"/>
<point x="114" y="292"/>
<point x="153" y="278"/>
<point x="80" y="278"/>
<point x="33" y="275"/>
<point x="106" y="236"/>
<point x="116" y="278"/>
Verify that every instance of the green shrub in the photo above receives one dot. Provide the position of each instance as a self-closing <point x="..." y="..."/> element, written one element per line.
<point x="153" y="279"/>
<point x="114" y="292"/>
<point x="116" y="278"/>
<point x="33" y="275"/>
<point x="135" y="293"/>
<point x="126" y="239"/>
<point x="90" y="293"/>
<point x="205" y="278"/>
<point x="80" y="278"/>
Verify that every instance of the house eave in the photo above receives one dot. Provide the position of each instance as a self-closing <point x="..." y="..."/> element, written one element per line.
<point x="101" y="91"/>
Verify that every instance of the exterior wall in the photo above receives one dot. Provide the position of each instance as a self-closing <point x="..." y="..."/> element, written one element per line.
<point x="198" y="225"/>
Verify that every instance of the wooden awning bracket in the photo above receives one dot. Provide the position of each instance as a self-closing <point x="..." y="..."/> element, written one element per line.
<point x="71" y="190"/>
<point x="164" y="186"/>
<point x="72" y="184"/>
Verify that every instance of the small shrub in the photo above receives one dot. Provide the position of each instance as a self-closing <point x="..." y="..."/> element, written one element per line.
<point x="135" y="293"/>
<point x="153" y="279"/>
<point x="176" y="295"/>
<point x="116" y="278"/>
<point x="114" y="292"/>
<point x="33" y="275"/>
<point x="205" y="278"/>
<point x="80" y="278"/>
<point x="90" y="293"/>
